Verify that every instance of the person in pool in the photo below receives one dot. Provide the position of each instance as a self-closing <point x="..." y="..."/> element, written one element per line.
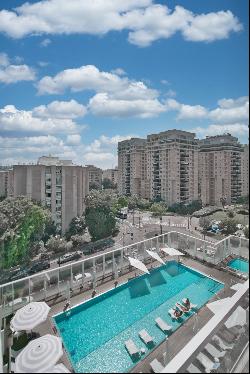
<point x="183" y="308"/>
<point x="177" y="313"/>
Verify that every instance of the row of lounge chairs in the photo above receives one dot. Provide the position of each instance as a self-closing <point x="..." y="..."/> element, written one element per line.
<point x="183" y="308"/>
<point x="131" y="347"/>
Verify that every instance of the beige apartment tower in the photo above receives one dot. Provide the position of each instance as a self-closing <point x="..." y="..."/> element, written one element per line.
<point x="220" y="173"/>
<point x="94" y="176"/>
<point x="132" y="167"/>
<point x="111" y="174"/>
<point x="245" y="170"/>
<point x="172" y="166"/>
<point x="59" y="185"/>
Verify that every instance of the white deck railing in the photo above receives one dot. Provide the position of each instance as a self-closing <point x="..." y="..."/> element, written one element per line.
<point x="54" y="282"/>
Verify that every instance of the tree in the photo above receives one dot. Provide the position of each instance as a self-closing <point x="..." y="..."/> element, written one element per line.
<point x="108" y="184"/>
<point x="144" y="204"/>
<point x="158" y="209"/>
<point x="57" y="244"/>
<point x="230" y="213"/>
<point x="23" y="223"/>
<point x="76" y="227"/>
<point x="229" y="226"/>
<point x="101" y="199"/>
<point x="246" y="232"/>
<point x="205" y="224"/>
<point x="94" y="186"/>
<point x="101" y="223"/>
<point x="223" y="201"/>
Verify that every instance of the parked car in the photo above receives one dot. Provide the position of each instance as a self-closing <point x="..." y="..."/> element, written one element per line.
<point x="69" y="257"/>
<point x="19" y="275"/>
<point x="39" y="266"/>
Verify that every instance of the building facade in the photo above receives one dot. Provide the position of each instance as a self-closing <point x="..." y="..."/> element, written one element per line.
<point x="4" y="176"/>
<point x="111" y="174"/>
<point x="245" y="170"/>
<point x="132" y="166"/>
<point x="94" y="176"/>
<point x="172" y="166"/>
<point x="58" y="185"/>
<point x="220" y="173"/>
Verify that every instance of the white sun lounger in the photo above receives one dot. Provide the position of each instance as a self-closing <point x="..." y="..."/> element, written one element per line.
<point x="214" y="352"/>
<point x="207" y="363"/>
<point x="131" y="347"/>
<point x="163" y="325"/>
<point x="144" y="335"/>
<point x="193" y="369"/>
<point x="192" y="306"/>
<point x="223" y="345"/>
<point x="156" y="366"/>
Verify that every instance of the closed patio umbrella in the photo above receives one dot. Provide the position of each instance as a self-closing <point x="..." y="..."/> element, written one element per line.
<point x="219" y="305"/>
<point x="155" y="256"/>
<point x="138" y="265"/>
<point x="172" y="251"/>
<point x="39" y="355"/>
<point x="238" y="318"/>
<point x="30" y="316"/>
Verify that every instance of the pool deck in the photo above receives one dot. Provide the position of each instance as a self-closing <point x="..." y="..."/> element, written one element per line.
<point x="177" y="340"/>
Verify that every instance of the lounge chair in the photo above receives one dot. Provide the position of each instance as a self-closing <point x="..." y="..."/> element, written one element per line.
<point x="214" y="352"/>
<point x="227" y="335"/>
<point x="207" y="363"/>
<point x="144" y="335"/>
<point x="193" y="369"/>
<point x="163" y="325"/>
<point x="182" y="308"/>
<point x="131" y="348"/>
<point x="156" y="366"/>
<point x="171" y="313"/>
<point x="192" y="306"/>
<point x="222" y="344"/>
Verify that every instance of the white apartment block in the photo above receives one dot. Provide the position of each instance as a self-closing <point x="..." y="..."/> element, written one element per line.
<point x="111" y="174"/>
<point x="4" y="183"/>
<point x="58" y="185"/>
<point x="220" y="173"/>
<point x="172" y="166"/>
<point x="245" y="170"/>
<point x="94" y="176"/>
<point x="132" y="167"/>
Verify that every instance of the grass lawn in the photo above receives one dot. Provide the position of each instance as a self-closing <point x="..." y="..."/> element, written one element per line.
<point x="239" y="218"/>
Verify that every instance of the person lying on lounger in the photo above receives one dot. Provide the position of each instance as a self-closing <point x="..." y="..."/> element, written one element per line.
<point x="187" y="303"/>
<point x="183" y="308"/>
<point x="177" y="313"/>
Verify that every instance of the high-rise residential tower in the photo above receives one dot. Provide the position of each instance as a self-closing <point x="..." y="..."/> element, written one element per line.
<point x="220" y="173"/>
<point x="245" y="170"/>
<point x="59" y="185"/>
<point x="172" y="166"/>
<point x="132" y="167"/>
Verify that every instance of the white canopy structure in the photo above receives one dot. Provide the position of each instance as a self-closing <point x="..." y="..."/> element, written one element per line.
<point x="60" y="368"/>
<point x="86" y="276"/>
<point x="238" y="318"/>
<point x="172" y="251"/>
<point x="219" y="305"/>
<point x="155" y="256"/>
<point x="138" y="265"/>
<point x="40" y="355"/>
<point x="30" y="316"/>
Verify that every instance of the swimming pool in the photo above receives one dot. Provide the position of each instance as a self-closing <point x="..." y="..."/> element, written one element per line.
<point x="239" y="264"/>
<point x="95" y="331"/>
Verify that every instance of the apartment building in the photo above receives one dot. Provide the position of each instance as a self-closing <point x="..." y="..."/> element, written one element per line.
<point x="220" y="171"/>
<point x="172" y="166"/>
<point x="132" y="166"/>
<point x="111" y="174"/>
<point x="245" y="170"/>
<point x="57" y="184"/>
<point x="4" y="174"/>
<point x="94" y="176"/>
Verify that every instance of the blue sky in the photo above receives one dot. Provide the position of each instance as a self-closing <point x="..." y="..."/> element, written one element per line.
<point x="75" y="79"/>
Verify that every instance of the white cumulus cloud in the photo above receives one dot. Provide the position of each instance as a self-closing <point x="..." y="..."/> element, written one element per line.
<point x="12" y="73"/>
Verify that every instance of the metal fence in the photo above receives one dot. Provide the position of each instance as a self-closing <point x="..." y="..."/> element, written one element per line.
<point x="89" y="271"/>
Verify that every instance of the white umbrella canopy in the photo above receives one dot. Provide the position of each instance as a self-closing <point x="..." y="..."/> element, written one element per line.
<point x="60" y="368"/>
<point x="138" y="265"/>
<point x="155" y="256"/>
<point x="30" y="316"/>
<point x="238" y="318"/>
<point x="172" y="251"/>
<point x="219" y="305"/>
<point x="39" y="355"/>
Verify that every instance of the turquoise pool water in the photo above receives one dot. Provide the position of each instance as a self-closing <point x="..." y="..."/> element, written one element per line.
<point x="95" y="331"/>
<point x="239" y="264"/>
